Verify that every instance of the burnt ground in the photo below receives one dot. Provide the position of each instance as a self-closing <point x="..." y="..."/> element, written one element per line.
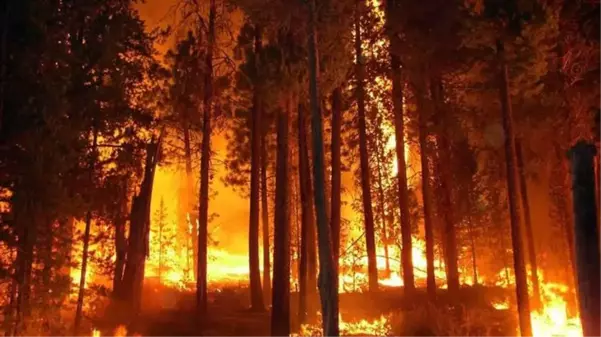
<point x="169" y="312"/>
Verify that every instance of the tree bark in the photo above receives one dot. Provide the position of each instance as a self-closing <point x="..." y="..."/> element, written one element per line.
<point x="265" y="221"/>
<point x="256" y="296"/>
<point x="399" y="132"/>
<point x="426" y="192"/>
<point x="382" y="208"/>
<point x="446" y="178"/>
<point x="528" y="226"/>
<point x="336" y="177"/>
<point x="120" y="242"/>
<point x="280" y="312"/>
<point x="189" y="196"/>
<point x="137" y="250"/>
<point x="516" y="235"/>
<point x="307" y="279"/>
<point x="203" y="203"/>
<point x="370" y="241"/>
<point x="586" y="236"/>
<point x="328" y="288"/>
<point x="86" y="240"/>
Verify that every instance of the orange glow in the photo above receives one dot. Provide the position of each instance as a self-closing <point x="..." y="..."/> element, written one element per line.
<point x="377" y="327"/>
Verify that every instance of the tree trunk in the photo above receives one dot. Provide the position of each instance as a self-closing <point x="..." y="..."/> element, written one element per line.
<point x="86" y="241"/>
<point x="446" y="178"/>
<point x="473" y="250"/>
<point x="137" y="250"/>
<point x="120" y="242"/>
<point x="280" y="312"/>
<point x="426" y="193"/>
<point x="256" y="297"/>
<point x="336" y="177"/>
<point x="370" y="242"/>
<point x="528" y="226"/>
<point x="265" y="221"/>
<point x="189" y="208"/>
<point x="307" y="279"/>
<point x="203" y="203"/>
<point x="399" y="132"/>
<point x="586" y="236"/>
<point x="516" y="235"/>
<point x="382" y="208"/>
<point x="328" y="288"/>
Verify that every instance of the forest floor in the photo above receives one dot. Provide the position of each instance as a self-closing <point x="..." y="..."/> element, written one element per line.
<point x="170" y="312"/>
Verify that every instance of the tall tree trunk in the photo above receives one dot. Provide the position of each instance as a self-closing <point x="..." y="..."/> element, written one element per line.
<point x="516" y="235"/>
<point x="399" y="132"/>
<point x="120" y="241"/>
<point x="446" y="178"/>
<point x="189" y="208"/>
<point x="138" y="245"/>
<point x="203" y="203"/>
<point x="280" y="312"/>
<point x="473" y="250"/>
<point x="426" y="191"/>
<point x="328" y="288"/>
<point x="86" y="241"/>
<point x="586" y="236"/>
<point x="307" y="280"/>
<point x="336" y="177"/>
<point x="256" y="296"/>
<point x="528" y="226"/>
<point x="370" y="241"/>
<point x="265" y="221"/>
<point x="382" y="208"/>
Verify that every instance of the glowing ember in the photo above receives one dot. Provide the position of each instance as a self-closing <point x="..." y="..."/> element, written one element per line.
<point x="120" y="331"/>
<point x="501" y="305"/>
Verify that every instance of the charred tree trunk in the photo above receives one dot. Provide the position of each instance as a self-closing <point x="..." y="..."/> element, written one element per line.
<point x="426" y="192"/>
<point x="203" y="203"/>
<point x="137" y="250"/>
<point x="86" y="241"/>
<point x="446" y="178"/>
<point x="328" y="287"/>
<point x="280" y="312"/>
<point x="382" y="208"/>
<point x="473" y="251"/>
<point x="399" y="132"/>
<point x="256" y="296"/>
<point x="336" y="177"/>
<point x="370" y="241"/>
<point x="528" y="226"/>
<point x="586" y="237"/>
<point x="516" y="235"/>
<point x="307" y="280"/>
<point x="188" y="199"/>
<point x="265" y="222"/>
<point x="120" y="242"/>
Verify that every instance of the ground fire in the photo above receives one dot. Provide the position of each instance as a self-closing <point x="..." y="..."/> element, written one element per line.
<point x="299" y="168"/>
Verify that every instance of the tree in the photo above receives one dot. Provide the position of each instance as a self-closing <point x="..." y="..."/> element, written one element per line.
<point x="363" y="155"/>
<point x="280" y="312"/>
<point x="203" y="203"/>
<point x="328" y="286"/>
<point x="253" y="233"/>
<point x="399" y="128"/>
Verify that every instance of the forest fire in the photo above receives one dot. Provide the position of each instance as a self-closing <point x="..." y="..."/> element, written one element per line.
<point x="236" y="167"/>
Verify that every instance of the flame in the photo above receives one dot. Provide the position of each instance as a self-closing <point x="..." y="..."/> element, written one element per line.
<point x="378" y="327"/>
<point x="120" y="331"/>
<point x="553" y="318"/>
<point x="95" y="332"/>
